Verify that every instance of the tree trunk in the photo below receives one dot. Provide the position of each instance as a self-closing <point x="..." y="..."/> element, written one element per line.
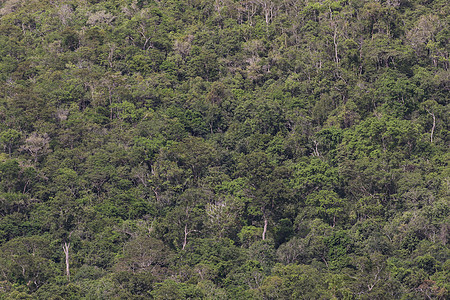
<point x="66" y="247"/>
<point x="265" y="228"/>
<point x="185" y="236"/>
<point x="336" y="56"/>
<point x="434" y="125"/>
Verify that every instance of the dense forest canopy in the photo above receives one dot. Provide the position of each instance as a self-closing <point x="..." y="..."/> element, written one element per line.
<point x="226" y="149"/>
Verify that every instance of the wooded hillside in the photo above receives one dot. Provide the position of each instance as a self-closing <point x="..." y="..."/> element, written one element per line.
<point x="200" y="149"/>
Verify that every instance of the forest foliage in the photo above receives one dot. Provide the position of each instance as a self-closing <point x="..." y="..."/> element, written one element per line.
<point x="200" y="149"/>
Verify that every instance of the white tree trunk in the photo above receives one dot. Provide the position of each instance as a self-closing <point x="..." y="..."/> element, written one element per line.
<point x="66" y="247"/>
<point x="265" y="228"/>
<point x="186" y="232"/>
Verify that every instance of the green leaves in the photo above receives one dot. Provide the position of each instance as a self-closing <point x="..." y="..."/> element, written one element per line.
<point x="328" y="204"/>
<point x="28" y="259"/>
<point x="224" y="149"/>
<point x="10" y="138"/>
<point x="294" y="281"/>
<point x="399" y="94"/>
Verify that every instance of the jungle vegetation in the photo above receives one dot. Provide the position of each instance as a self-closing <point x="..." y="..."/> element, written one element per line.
<point x="224" y="149"/>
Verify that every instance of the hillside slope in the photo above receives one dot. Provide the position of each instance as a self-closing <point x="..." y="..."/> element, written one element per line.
<point x="255" y="149"/>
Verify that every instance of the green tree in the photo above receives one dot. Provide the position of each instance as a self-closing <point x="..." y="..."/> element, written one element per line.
<point x="9" y="139"/>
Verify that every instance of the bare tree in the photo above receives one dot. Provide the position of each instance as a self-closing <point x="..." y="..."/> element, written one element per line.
<point x="37" y="145"/>
<point x="66" y="246"/>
